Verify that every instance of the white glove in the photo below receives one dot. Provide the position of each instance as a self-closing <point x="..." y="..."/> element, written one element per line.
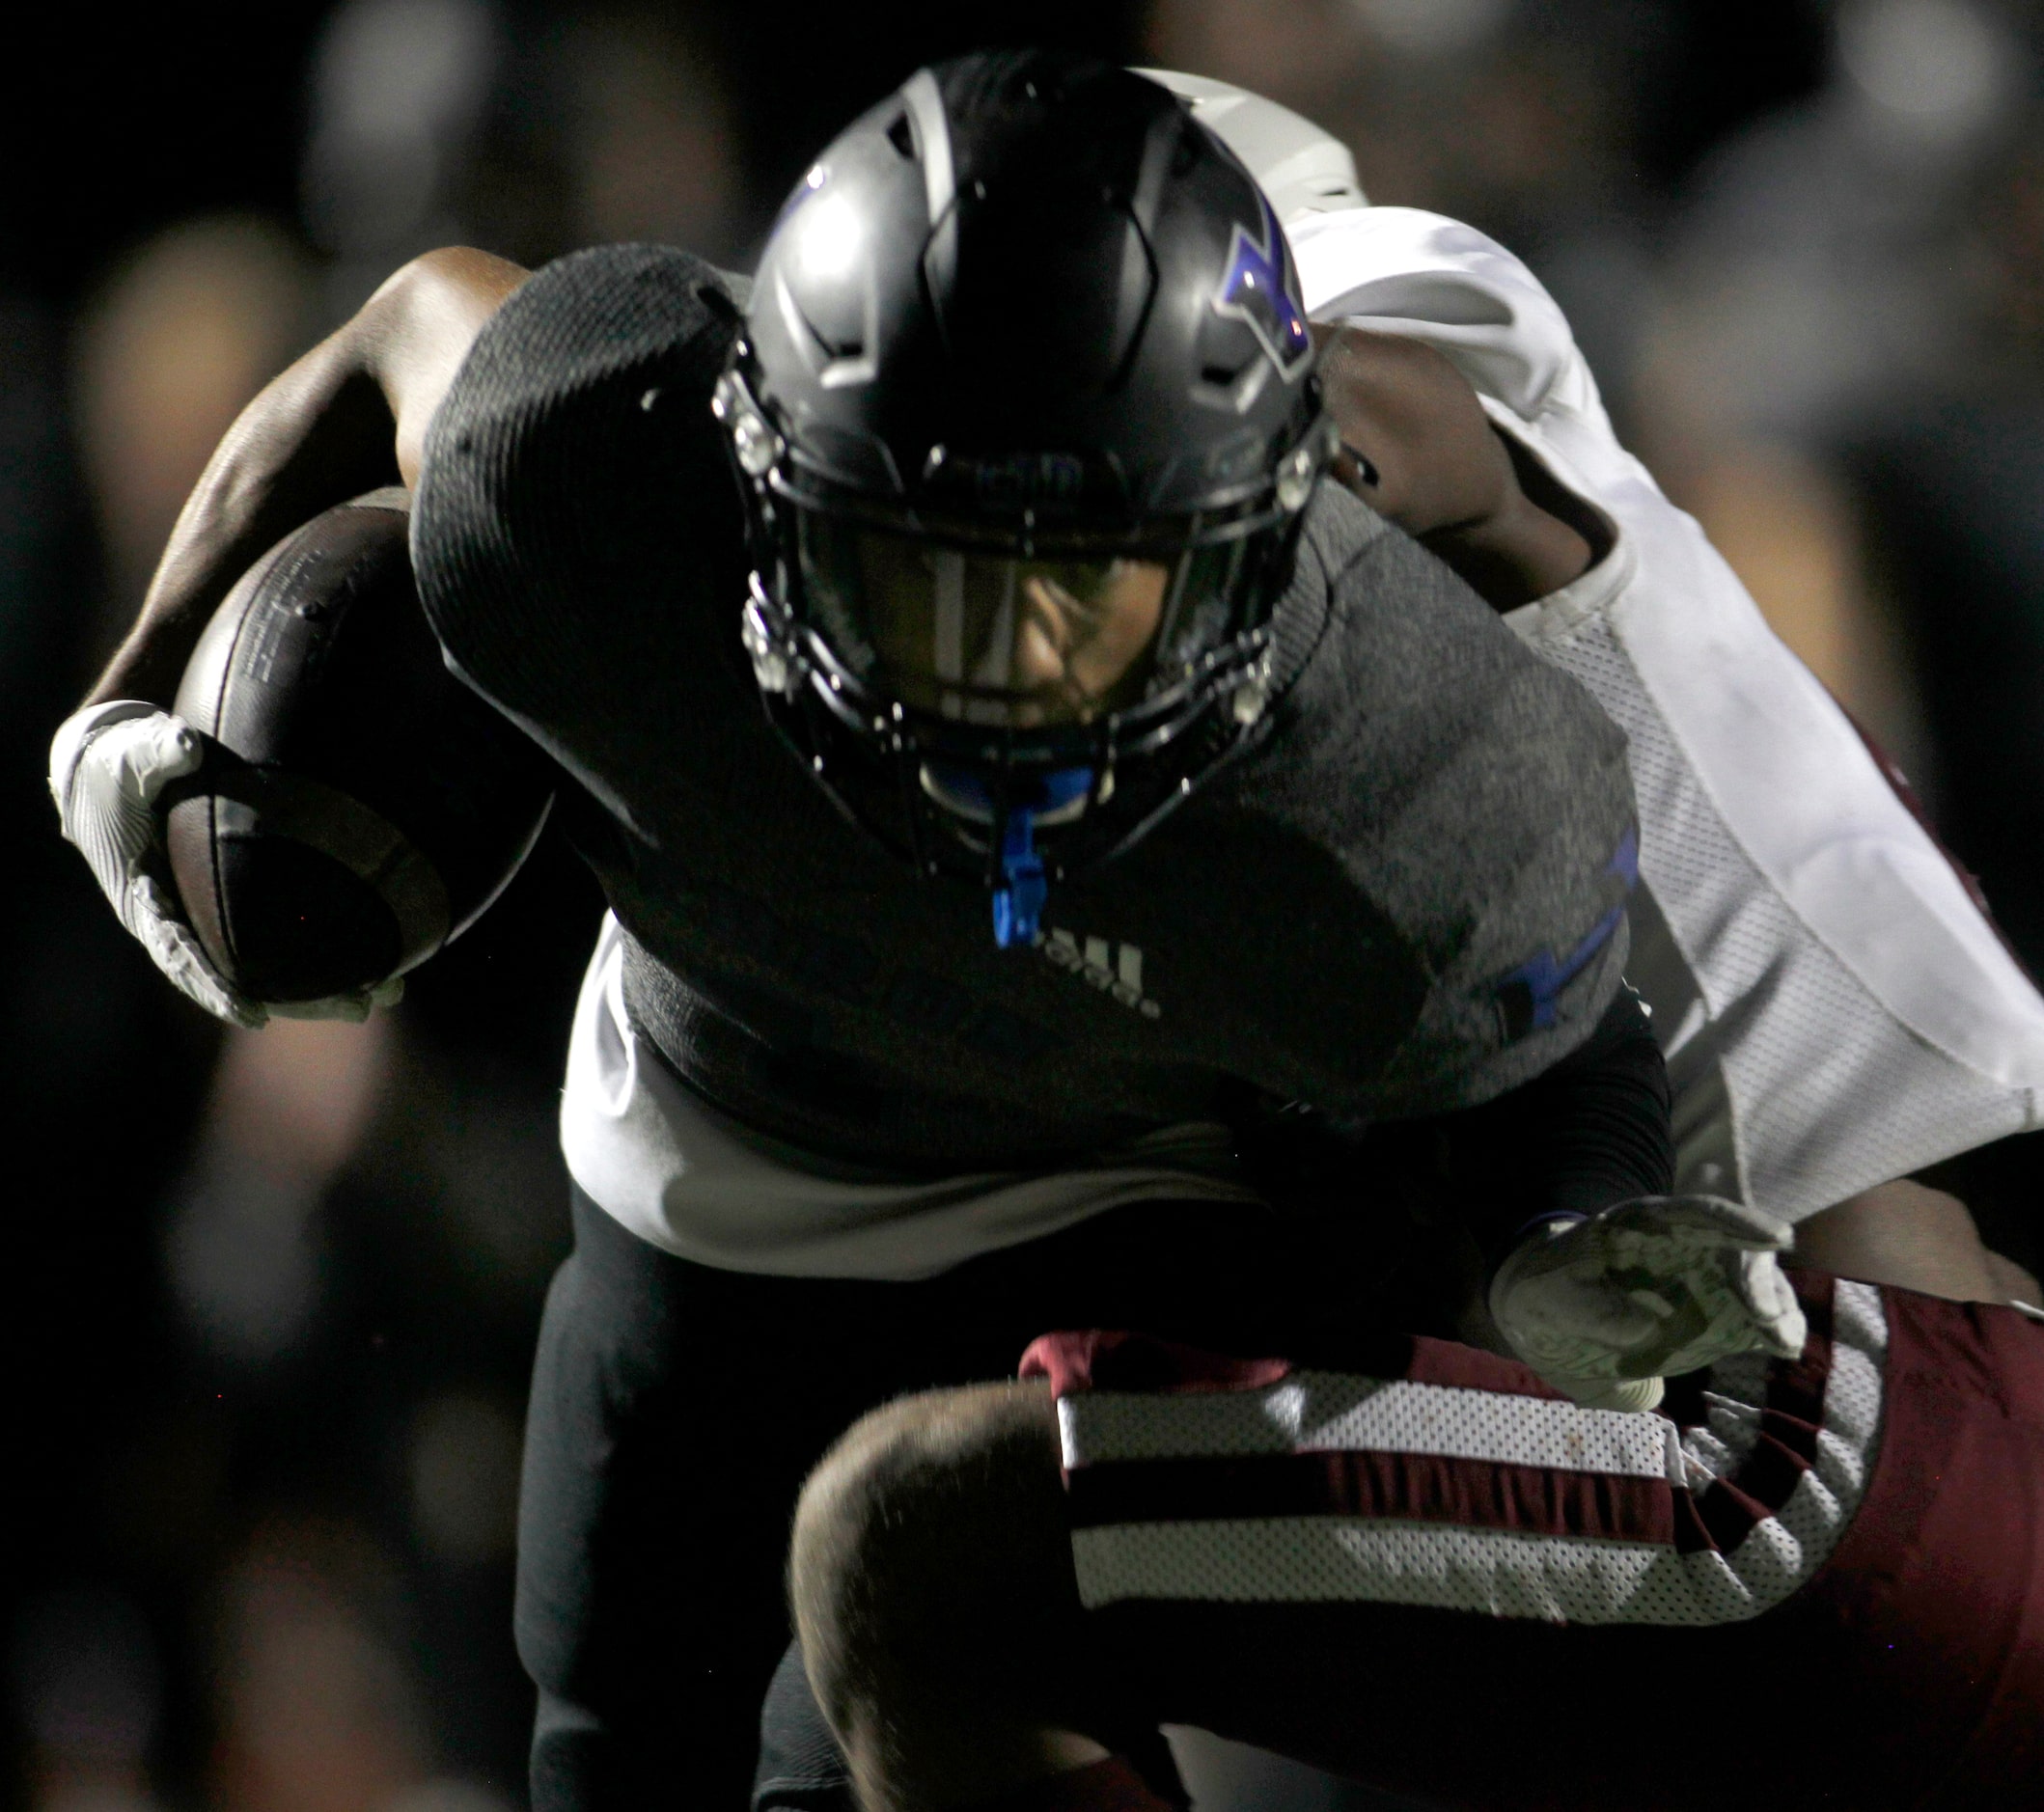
<point x="107" y="765"/>
<point x="1604" y="1309"/>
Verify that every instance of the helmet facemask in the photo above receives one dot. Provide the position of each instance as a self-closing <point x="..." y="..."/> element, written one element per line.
<point x="987" y="638"/>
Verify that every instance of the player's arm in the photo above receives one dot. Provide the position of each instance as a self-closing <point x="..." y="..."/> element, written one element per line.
<point x="1596" y="1274"/>
<point x="1418" y="448"/>
<point x="348" y="416"/>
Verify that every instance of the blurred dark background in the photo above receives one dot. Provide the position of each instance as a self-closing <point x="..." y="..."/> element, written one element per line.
<point x="272" y="1298"/>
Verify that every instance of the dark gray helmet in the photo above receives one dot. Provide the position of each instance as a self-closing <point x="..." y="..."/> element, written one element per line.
<point x="1025" y="415"/>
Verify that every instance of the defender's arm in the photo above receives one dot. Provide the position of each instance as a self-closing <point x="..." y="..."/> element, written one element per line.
<point x="318" y="434"/>
<point x="1419" y="449"/>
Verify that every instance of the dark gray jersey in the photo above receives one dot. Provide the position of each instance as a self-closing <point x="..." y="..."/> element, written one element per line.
<point x="1402" y="899"/>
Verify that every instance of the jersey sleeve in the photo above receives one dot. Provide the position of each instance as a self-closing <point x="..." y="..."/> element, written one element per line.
<point x="1401" y="270"/>
<point x="577" y="505"/>
<point x="1490" y="818"/>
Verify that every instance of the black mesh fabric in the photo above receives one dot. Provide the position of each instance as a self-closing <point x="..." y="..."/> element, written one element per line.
<point x="1429" y="809"/>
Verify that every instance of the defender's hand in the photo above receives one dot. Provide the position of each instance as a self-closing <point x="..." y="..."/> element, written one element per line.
<point x="1604" y="1309"/>
<point x="108" y="767"/>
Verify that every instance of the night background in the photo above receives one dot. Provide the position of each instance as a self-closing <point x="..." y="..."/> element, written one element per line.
<point x="273" y="1296"/>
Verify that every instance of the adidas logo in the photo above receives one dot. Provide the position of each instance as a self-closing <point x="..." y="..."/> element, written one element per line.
<point x="1114" y="969"/>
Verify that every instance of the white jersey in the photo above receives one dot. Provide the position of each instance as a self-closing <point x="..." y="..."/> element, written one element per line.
<point x="1834" y="1010"/>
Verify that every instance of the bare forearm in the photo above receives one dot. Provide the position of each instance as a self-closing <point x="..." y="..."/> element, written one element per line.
<point x="1419" y="449"/>
<point x="1517" y="555"/>
<point x="347" y="417"/>
<point x="318" y="434"/>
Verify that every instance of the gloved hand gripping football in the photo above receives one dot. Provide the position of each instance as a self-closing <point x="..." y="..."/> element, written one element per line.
<point x="1604" y="1309"/>
<point x="108" y="764"/>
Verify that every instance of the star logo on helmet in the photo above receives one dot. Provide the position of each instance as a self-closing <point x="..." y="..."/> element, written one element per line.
<point x="1256" y="291"/>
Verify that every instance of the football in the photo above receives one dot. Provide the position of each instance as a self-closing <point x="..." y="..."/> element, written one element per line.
<point x="357" y="806"/>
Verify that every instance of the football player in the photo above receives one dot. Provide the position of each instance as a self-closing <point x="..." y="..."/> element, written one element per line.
<point x="1835" y="1005"/>
<point x="1045" y="568"/>
<point x="1417" y="1567"/>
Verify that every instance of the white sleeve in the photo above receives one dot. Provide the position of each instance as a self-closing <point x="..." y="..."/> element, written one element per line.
<point x="1404" y="271"/>
<point x="1835" y="1009"/>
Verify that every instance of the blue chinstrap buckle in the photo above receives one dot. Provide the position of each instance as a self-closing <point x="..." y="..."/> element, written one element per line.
<point x="1018" y="898"/>
<point x="1021" y="885"/>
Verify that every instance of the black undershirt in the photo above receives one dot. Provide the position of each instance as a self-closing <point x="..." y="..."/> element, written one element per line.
<point x="1591" y="1131"/>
